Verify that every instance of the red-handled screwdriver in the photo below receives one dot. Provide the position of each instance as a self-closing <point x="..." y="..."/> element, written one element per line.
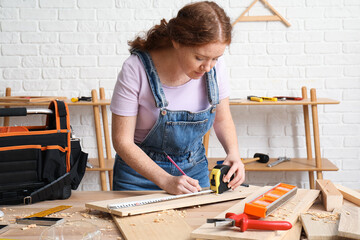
<point x="243" y="222"/>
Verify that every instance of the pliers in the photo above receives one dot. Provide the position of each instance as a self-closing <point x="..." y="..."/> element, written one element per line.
<point x="244" y="222"/>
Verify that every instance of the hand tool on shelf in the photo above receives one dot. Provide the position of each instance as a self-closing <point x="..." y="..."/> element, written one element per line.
<point x="284" y="98"/>
<point x="254" y="98"/>
<point x="244" y="222"/>
<point x="78" y="99"/>
<point x="273" y="99"/>
<point x="259" y="157"/>
<point x="260" y="99"/>
<point x="279" y="160"/>
<point x="265" y="203"/>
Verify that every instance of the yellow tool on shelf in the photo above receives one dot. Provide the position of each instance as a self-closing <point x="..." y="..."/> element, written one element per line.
<point x="260" y="99"/>
<point x="254" y="98"/>
<point x="273" y="99"/>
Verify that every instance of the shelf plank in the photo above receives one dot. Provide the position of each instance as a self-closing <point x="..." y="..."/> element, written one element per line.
<point x="234" y="101"/>
<point x="109" y="164"/>
<point x="100" y="102"/>
<point x="307" y="101"/>
<point x="295" y="164"/>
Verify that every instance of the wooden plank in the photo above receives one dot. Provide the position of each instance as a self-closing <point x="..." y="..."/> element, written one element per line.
<point x="331" y="197"/>
<point x="163" y="225"/>
<point x="320" y="224"/>
<point x="349" y="222"/>
<point x="244" y="101"/>
<point x="349" y="194"/>
<point x="240" y="192"/>
<point x="27" y="99"/>
<point x="293" y="233"/>
<point x="259" y="18"/>
<point x="290" y="211"/>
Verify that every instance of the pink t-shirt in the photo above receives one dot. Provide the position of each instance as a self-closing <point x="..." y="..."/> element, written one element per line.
<point x="132" y="95"/>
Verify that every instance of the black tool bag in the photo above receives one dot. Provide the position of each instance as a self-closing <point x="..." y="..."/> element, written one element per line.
<point x="39" y="163"/>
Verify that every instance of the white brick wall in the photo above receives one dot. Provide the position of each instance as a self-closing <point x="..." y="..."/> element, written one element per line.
<point x="68" y="47"/>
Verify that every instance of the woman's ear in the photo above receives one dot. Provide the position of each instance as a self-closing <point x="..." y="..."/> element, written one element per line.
<point x="175" y="44"/>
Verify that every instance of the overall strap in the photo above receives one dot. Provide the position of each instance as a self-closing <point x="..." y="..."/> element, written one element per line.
<point x="212" y="87"/>
<point x="153" y="78"/>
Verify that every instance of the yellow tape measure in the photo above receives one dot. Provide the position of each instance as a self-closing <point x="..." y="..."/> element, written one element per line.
<point x="49" y="211"/>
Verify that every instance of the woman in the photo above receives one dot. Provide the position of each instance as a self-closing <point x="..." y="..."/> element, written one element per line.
<point x="169" y="93"/>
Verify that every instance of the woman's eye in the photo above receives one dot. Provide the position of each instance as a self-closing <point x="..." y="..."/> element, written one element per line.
<point x="199" y="59"/>
<point x="215" y="59"/>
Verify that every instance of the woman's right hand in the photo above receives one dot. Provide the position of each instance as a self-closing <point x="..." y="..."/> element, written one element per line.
<point x="181" y="185"/>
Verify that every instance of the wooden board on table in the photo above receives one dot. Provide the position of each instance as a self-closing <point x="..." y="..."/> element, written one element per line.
<point x="349" y="222"/>
<point x="240" y="192"/>
<point x="290" y="211"/>
<point x="320" y="224"/>
<point x="27" y="99"/>
<point x="163" y="225"/>
<point x="349" y="194"/>
<point x="331" y="196"/>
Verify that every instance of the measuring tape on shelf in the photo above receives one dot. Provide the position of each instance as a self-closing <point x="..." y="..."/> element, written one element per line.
<point x="49" y="211"/>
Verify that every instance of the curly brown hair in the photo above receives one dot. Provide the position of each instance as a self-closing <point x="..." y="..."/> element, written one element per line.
<point x="196" y="24"/>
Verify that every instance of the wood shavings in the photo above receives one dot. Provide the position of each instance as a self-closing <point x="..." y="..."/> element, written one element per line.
<point x="158" y="220"/>
<point x="29" y="227"/>
<point x="326" y="217"/>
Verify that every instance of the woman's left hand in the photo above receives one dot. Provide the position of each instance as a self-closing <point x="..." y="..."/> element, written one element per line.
<point x="237" y="168"/>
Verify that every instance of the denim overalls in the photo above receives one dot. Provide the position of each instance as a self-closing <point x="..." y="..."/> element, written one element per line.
<point x="178" y="133"/>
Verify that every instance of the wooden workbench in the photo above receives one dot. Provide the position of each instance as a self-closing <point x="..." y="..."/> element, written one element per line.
<point x="195" y="217"/>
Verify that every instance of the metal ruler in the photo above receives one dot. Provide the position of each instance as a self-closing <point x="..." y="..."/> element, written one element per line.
<point x="49" y="211"/>
<point x="155" y="200"/>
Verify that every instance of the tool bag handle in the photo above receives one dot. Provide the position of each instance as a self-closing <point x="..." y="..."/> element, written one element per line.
<point x="13" y="112"/>
<point x="8" y="112"/>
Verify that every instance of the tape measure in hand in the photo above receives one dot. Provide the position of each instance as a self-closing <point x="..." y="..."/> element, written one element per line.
<point x="216" y="178"/>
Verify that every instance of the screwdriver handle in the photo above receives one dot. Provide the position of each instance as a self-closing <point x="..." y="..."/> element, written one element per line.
<point x="243" y="222"/>
<point x="268" y="225"/>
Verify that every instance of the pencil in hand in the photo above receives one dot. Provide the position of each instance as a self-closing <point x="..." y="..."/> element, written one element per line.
<point x="173" y="162"/>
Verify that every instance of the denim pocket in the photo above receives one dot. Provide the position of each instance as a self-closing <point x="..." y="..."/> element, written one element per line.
<point x="180" y="136"/>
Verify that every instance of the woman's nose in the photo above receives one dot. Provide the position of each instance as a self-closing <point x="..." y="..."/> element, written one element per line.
<point x="207" y="66"/>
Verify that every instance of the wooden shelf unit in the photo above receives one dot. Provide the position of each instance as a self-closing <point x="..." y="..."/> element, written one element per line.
<point x="308" y="164"/>
<point x="103" y="163"/>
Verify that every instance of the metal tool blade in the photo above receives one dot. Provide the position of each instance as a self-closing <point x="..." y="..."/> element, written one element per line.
<point x="280" y="160"/>
<point x="221" y="221"/>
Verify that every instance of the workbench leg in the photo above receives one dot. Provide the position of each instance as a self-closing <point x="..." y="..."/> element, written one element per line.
<point x="7" y="119"/>
<point x="308" y="137"/>
<point x="106" y="134"/>
<point x="96" y="110"/>
<point x="316" y="132"/>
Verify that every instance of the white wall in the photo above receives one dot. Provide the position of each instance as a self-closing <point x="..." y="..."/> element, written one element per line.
<point x="68" y="47"/>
